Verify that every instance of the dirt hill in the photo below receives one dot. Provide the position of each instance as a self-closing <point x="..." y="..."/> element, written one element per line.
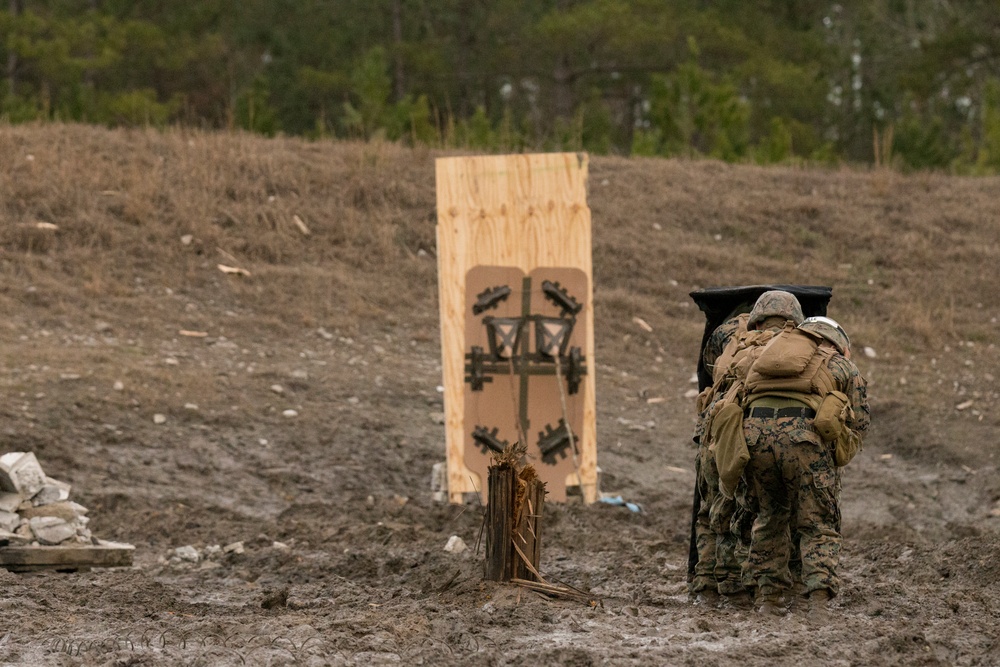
<point x="163" y="389"/>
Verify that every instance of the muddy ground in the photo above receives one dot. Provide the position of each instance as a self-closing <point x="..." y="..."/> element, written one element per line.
<point x="343" y="556"/>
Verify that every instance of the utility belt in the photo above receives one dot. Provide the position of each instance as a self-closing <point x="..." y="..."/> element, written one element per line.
<point x="774" y="407"/>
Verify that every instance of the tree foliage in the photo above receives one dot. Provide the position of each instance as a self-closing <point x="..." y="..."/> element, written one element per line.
<point x="769" y="81"/>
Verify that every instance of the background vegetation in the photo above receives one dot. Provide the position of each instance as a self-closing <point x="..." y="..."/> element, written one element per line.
<point x="910" y="83"/>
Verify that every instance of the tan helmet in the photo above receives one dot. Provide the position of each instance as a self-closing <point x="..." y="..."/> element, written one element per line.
<point x="828" y="329"/>
<point x="775" y="303"/>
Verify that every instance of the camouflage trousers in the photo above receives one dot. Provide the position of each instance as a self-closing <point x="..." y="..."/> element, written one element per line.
<point x="721" y="554"/>
<point x="797" y="488"/>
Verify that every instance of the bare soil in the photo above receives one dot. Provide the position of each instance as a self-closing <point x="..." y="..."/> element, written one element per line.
<point x="344" y="559"/>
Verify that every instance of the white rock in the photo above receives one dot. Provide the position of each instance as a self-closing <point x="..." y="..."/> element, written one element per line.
<point x="694" y="379"/>
<point x="277" y="389"/>
<point x="233" y="548"/>
<point x="290" y="413"/>
<point x="119" y="385"/>
<point x="870" y="352"/>
<point x="186" y="239"/>
<point x="691" y="393"/>
<point x="51" y="530"/>
<point x="9" y="521"/>
<point x="187" y="553"/>
<point x="190" y="406"/>
<point x="159" y="418"/>
<point x="279" y="545"/>
<point x="455" y="545"/>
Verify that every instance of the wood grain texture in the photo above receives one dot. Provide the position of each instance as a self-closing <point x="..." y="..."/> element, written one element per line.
<point x="524" y="211"/>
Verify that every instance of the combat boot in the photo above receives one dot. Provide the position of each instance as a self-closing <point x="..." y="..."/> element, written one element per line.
<point x="706" y="597"/>
<point x="771" y="605"/>
<point x="818" y="606"/>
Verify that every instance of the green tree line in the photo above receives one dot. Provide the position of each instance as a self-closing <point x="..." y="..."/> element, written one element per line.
<point x="910" y="83"/>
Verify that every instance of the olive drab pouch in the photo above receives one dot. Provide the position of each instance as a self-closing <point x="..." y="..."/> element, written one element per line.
<point x="846" y="448"/>
<point x="731" y="453"/>
<point x="787" y="354"/>
<point x="831" y="415"/>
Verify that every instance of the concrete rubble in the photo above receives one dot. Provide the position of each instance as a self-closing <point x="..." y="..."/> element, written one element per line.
<point x="35" y="509"/>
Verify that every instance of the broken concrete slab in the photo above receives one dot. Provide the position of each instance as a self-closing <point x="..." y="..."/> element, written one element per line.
<point x="9" y="521"/>
<point x="53" y="491"/>
<point x="8" y="538"/>
<point x="9" y="502"/>
<point x="20" y="473"/>
<point x="51" y="530"/>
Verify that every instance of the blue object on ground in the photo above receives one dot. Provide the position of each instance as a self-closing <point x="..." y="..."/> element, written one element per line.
<point x="618" y="500"/>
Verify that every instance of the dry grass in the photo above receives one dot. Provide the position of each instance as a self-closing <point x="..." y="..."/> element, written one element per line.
<point x="143" y="218"/>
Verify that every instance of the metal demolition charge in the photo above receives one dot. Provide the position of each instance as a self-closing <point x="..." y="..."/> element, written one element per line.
<point x="554" y="441"/>
<point x="488" y="440"/>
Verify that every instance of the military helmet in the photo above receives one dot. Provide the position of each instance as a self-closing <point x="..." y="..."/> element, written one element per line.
<point x="775" y="303"/>
<point x="828" y="329"/>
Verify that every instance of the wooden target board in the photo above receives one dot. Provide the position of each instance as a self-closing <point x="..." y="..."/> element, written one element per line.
<point x="514" y="269"/>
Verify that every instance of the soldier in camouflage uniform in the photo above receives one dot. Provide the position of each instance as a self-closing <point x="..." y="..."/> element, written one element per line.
<point x="720" y="553"/>
<point x="791" y="470"/>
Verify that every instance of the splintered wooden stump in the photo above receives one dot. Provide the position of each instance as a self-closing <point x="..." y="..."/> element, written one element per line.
<point x="513" y="522"/>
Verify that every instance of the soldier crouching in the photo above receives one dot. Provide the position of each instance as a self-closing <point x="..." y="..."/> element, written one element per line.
<point x="792" y="469"/>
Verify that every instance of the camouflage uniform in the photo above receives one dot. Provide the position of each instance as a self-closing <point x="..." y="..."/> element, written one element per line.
<point x="792" y="473"/>
<point x="720" y="554"/>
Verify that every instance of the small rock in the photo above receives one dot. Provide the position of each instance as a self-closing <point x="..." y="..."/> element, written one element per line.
<point x="279" y="545"/>
<point x="187" y="239"/>
<point x="354" y="400"/>
<point x="870" y="352"/>
<point x="233" y="548"/>
<point x="159" y="418"/>
<point x="187" y="553"/>
<point x="190" y="406"/>
<point x="965" y="405"/>
<point x="290" y="413"/>
<point x="691" y="393"/>
<point x="277" y="389"/>
<point x="437" y="417"/>
<point x="455" y="545"/>
<point x="119" y="385"/>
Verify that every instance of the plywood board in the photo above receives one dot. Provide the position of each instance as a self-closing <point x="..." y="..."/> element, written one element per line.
<point x="520" y="211"/>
